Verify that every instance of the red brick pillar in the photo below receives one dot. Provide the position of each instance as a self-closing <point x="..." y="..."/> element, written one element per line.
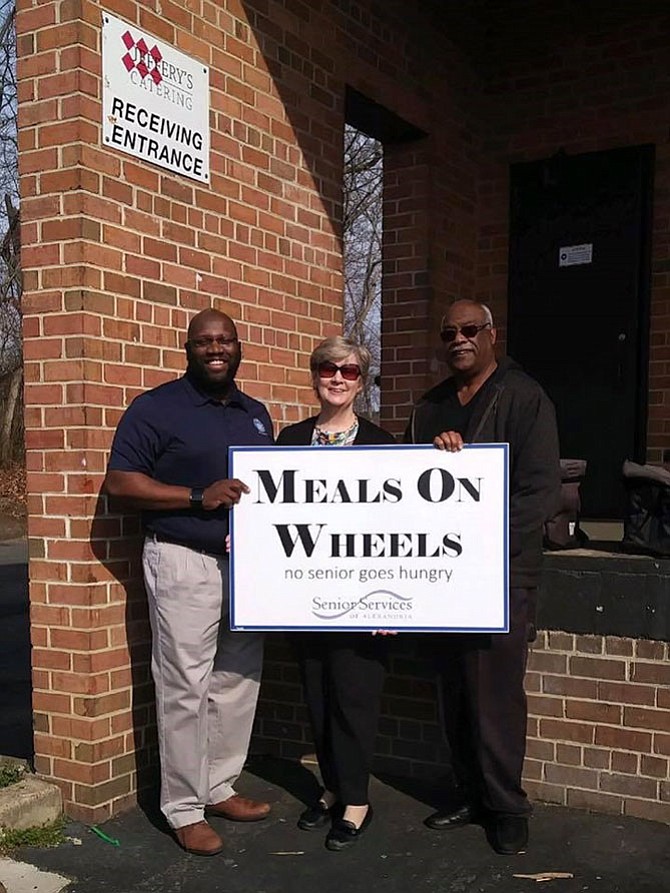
<point x="117" y="253"/>
<point x="408" y="329"/>
<point x="76" y="315"/>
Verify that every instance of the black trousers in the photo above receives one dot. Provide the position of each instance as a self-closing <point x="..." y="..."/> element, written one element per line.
<point x="343" y="676"/>
<point x="484" y="709"/>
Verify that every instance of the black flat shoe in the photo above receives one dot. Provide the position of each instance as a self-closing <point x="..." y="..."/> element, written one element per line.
<point x="344" y="834"/>
<point x="317" y="816"/>
<point x="508" y="834"/>
<point x="455" y="818"/>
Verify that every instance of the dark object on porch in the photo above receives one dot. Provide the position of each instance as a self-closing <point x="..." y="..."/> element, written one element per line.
<point x="646" y="526"/>
<point x="562" y="531"/>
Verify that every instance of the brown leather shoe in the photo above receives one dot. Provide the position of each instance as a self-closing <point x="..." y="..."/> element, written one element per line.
<point x="200" y="839"/>
<point x="240" y="809"/>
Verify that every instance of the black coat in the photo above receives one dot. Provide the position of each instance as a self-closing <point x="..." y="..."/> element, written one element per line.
<point x="511" y="408"/>
<point x="301" y="434"/>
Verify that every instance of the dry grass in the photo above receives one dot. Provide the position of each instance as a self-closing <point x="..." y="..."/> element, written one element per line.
<point x="13" y="513"/>
<point x="13" y="490"/>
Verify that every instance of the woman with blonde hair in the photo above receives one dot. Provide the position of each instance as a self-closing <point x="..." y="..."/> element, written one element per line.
<point x="342" y="673"/>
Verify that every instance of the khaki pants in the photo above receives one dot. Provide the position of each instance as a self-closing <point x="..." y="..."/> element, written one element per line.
<point x="206" y="677"/>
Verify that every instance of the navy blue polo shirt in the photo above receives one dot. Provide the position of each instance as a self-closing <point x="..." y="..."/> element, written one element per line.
<point x="178" y="434"/>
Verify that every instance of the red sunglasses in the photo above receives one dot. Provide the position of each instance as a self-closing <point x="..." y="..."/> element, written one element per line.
<point x="349" y="372"/>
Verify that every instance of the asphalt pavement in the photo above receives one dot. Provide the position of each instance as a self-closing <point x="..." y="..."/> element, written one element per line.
<point x="569" y="851"/>
<point x="576" y="851"/>
<point x="16" y="738"/>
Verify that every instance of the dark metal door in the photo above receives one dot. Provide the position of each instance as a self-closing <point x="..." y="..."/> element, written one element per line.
<point x="579" y="304"/>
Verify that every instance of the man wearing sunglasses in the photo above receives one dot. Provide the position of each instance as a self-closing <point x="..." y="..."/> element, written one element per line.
<point x="170" y="459"/>
<point x="486" y="400"/>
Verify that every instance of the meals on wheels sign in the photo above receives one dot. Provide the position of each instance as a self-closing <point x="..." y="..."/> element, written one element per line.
<point x="366" y="538"/>
<point x="155" y="100"/>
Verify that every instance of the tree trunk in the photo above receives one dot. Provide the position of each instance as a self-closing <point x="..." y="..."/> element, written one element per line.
<point x="8" y="413"/>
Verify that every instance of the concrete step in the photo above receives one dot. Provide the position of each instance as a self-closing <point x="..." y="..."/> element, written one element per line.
<point x="29" y="803"/>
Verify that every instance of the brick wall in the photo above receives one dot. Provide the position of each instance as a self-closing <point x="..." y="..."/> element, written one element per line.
<point x="117" y="254"/>
<point x="552" y="76"/>
<point x="599" y="729"/>
<point x="598" y="694"/>
<point x="409" y="741"/>
<point x="407" y="293"/>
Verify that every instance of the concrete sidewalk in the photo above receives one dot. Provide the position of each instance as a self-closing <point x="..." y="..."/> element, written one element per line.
<point x="14" y="551"/>
<point x="397" y="853"/>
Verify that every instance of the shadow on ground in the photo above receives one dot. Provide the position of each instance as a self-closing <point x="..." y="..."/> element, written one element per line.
<point x="293" y="777"/>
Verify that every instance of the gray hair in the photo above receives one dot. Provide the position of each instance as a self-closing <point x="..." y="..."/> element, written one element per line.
<point x="488" y="316"/>
<point x="487" y="313"/>
<point x="336" y="349"/>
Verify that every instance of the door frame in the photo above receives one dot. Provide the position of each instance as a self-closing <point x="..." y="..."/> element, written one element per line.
<point x="647" y="171"/>
<point x="646" y="154"/>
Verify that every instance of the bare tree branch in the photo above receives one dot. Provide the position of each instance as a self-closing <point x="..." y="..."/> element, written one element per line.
<point x="11" y="349"/>
<point x="362" y="228"/>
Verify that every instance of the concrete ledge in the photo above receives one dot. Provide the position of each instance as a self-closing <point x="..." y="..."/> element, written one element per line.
<point x="590" y="592"/>
<point x="29" y="803"/>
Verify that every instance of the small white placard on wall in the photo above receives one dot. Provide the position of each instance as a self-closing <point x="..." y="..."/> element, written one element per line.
<point x="571" y="255"/>
<point x="155" y="101"/>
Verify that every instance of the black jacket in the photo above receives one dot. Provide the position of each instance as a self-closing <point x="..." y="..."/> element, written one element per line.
<point x="369" y="434"/>
<point x="301" y="434"/>
<point x="511" y="408"/>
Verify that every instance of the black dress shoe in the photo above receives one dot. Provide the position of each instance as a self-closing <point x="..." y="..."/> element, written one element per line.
<point x="344" y="834"/>
<point x="508" y="834"/>
<point x="455" y="818"/>
<point x="317" y="816"/>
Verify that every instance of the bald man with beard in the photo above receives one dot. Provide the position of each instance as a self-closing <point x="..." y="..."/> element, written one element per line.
<point x="169" y="459"/>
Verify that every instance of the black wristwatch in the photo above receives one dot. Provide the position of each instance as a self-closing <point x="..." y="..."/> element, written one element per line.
<point x="195" y="499"/>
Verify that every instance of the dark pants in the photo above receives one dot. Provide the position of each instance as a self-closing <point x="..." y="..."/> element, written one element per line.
<point x="343" y="676"/>
<point x="484" y="709"/>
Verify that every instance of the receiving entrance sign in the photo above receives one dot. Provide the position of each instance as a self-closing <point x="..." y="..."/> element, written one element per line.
<point x="366" y="538"/>
<point x="155" y="100"/>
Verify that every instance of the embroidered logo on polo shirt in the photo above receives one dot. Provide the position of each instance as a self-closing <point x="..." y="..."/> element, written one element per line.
<point x="260" y="427"/>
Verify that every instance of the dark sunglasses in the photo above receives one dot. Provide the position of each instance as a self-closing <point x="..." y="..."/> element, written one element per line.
<point x="349" y="372"/>
<point x="469" y="331"/>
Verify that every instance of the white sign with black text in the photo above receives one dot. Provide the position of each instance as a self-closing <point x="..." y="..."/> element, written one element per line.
<point x="155" y="100"/>
<point x="575" y="255"/>
<point x="366" y="538"/>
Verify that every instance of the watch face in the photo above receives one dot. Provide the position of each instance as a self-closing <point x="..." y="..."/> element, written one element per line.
<point x="196" y="496"/>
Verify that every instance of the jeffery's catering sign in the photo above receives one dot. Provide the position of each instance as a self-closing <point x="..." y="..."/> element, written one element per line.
<point x="155" y="100"/>
<point x="367" y="538"/>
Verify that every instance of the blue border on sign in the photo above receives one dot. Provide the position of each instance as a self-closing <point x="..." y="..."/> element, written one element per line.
<point x="232" y="450"/>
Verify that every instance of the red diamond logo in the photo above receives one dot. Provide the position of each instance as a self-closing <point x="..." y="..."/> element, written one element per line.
<point x="143" y="53"/>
